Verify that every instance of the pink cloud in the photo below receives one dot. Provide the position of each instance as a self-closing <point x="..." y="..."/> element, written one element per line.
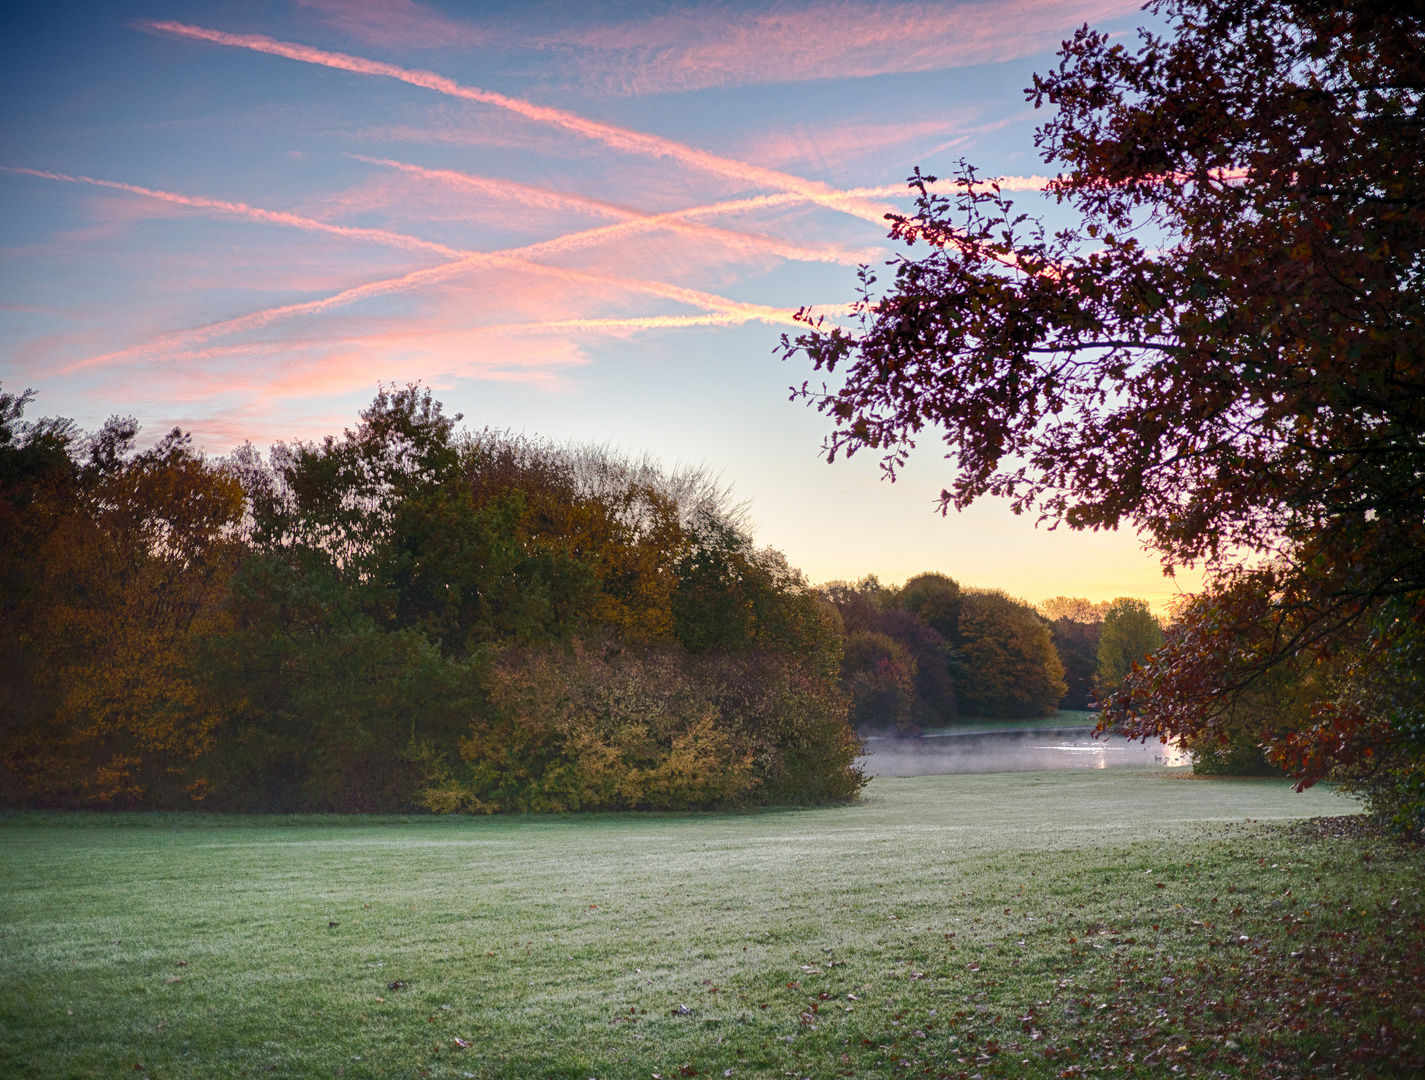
<point x="397" y="23"/>
<point x="832" y="149"/>
<point x="699" y="48"/>
<point x="635" y="221"/>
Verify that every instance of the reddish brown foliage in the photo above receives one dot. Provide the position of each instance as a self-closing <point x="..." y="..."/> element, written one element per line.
<point x="1226" y="350"/>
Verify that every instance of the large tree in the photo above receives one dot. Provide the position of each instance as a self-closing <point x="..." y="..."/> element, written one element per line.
<point x="1223" y="349"/>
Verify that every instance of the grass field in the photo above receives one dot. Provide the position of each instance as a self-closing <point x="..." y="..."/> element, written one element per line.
<point x="1034" y="924"/>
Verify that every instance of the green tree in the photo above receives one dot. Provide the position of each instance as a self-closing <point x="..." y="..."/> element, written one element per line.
<point x="1011" y="669"/>
<point x="934" y="599"/>
<point x="1128" y="635"/>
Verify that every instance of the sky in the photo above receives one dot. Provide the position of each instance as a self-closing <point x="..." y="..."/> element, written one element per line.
<point x="590" y="222"/>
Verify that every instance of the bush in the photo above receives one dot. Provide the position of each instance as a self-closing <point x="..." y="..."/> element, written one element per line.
<point x="609" y="728"/>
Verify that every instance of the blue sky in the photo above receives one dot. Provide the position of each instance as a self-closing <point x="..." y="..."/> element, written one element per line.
<point x="586" y="221"/>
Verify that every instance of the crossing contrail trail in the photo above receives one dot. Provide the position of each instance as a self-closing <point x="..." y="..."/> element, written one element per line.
<point x="611" y="135"/>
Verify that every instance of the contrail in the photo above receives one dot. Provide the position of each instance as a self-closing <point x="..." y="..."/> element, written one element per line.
<point x="464" y="261"/>
<point x="521" y="258"/>
<point x="633" y="221"/>
<point x="638" y="221"/>
<point x="275" y="217"/>
<point x="632" y="322"/>
<point x="529" y="194"/>
<point x="619" y="138"/>
<point x="515" y="258"/>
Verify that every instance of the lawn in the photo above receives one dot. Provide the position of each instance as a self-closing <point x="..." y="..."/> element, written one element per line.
<point x="1034" y="924"/>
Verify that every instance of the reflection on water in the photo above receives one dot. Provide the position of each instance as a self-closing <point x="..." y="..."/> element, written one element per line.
<point x="1013" y="751"/>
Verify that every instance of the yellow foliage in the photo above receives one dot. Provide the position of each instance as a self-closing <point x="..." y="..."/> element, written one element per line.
<point x="128" y="575"/>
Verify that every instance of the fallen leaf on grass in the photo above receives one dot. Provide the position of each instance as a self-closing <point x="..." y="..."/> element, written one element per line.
<point x="174" y="979"/>
<point x="462" y="1044"/>
<point x="333" y="924"/>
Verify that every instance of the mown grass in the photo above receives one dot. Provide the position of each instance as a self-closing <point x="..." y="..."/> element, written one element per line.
<point x="1011" y="925"/>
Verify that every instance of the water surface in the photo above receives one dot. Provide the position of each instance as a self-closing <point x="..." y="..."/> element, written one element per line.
<point x="1028" y="750"/>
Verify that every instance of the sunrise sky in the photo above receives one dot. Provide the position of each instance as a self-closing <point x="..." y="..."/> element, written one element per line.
<point x="588" y="221"/>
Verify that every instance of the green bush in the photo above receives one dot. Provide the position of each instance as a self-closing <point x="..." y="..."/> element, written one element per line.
<point x="613" y="728"/>
<point x="1239" y="755"/>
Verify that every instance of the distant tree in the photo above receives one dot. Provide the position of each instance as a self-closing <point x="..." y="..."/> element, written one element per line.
<point x="1073" y="608"/>
<point x="1011" y="668"/>
<point x="878" y="675"/>
<point x="1129" y="634"/>
<point x="936" y="666"/>
<point x="860" y="603"/>
<point x="913" y="684"/>
<point x="1074" y="623"/>
<point x="934" y="599"/>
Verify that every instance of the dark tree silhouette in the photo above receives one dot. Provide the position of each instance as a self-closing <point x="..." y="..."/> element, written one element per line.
<point x="1224" y="350"/>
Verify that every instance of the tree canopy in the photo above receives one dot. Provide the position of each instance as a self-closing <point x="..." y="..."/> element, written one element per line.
<point x="1223" y="348"/>
<point x="1128" y="634"/>
<point x="406" y="615"/>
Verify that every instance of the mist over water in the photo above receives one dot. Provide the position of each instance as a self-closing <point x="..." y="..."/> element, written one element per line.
<point x="1012" y="751"/>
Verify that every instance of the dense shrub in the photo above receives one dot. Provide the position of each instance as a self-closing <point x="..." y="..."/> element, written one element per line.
<point x="617" y="728"/>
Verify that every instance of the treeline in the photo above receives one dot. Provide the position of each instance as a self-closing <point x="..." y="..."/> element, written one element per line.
<point x="406" y="616"/>
<point x="416" y="616"/>
<point x="930" y="651"/>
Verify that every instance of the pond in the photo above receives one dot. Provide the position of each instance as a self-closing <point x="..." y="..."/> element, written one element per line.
<point x="1026" y="750"/>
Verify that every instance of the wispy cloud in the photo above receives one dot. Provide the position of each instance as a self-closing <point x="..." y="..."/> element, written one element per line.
<point x="399" y="23"/>
<point x="717" y="45"/>
<point x="699" y="48"/>
<point x="635" y="221"/>
<point x="179" y="343"/>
